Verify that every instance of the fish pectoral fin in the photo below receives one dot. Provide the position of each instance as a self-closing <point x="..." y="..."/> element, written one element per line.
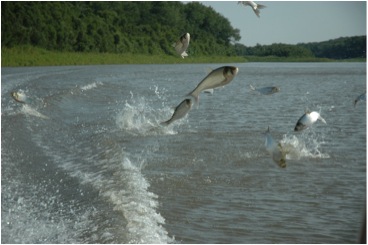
<point x="323" y="120"/>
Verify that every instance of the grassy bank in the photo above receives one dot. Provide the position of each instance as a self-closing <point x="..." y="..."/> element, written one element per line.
<point x="31" y="56"/>
<point x="298" y="59"/>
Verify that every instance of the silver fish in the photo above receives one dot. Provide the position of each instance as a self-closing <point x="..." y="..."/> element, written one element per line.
<point x="307" y="120"/>
<point x="362" y="97"/>
<point x="19" y="96"/>
<point x="182" y="44"/>
<point x="180" y="111"/>
<point x="256" y="7"/>
<point x="265" y="90"/>
<point x="216" y="78"/>
<point x="275" y="150"/>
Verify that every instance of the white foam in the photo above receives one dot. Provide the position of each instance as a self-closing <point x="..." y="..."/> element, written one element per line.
<point x="305" y="145"/>
<point x="91" y="86"/>
<point x="119" y="181"/>
<point x="28" y="110"/>
<point x="31" y="218"/>
<point x="139" y="117"/>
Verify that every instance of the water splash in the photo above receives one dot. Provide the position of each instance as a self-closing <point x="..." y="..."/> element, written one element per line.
<point x="90" y="86"/>
<point x="140" y="117"/>
<point x="305" y="145"/>
<point x="28" y="110"/>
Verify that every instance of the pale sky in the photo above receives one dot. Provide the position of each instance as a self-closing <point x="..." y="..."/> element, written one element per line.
<point x="293" y="22"/>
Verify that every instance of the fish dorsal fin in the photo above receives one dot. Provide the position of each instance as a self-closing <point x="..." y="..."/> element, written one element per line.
<point x="307" y="111"/>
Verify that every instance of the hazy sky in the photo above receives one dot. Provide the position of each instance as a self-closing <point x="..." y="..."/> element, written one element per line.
<point x="294" y="22"/>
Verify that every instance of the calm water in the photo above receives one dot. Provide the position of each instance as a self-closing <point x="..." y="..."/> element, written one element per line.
<point x="85" y="160"/>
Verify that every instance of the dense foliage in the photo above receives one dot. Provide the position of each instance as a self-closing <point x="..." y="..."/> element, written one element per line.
<point x="340" y="48"/>
<point x="146" y="28"/>
<point x="119" y="27"/>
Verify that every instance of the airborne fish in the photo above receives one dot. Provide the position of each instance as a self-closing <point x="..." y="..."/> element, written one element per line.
<point x="307" y="120"/>
<point x="256" y="7"/>
<point x="275" y="150"/>
<point x="216" y="78"/>
<point x="362" y="97"/>
<point x="182" y="44"/>
<point x="265" y="90"/>
<point x="19" y="96"/>
<point x="180" y="111"/>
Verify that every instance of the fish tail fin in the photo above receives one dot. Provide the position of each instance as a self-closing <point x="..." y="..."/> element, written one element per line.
<point x="256" y="11"/>
<point x="195" y="96"/>
<point x="251" y="87"/>
<point x="184" y="54"/>
<point x="323" y="120"/>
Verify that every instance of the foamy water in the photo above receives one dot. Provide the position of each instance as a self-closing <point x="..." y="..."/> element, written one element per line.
<point x="87" y="161"/>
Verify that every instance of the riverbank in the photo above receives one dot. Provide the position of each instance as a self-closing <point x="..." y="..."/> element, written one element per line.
<point x="31" y="56"/>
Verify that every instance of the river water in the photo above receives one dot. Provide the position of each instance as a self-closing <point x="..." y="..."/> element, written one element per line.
<point x="85" y="159"/>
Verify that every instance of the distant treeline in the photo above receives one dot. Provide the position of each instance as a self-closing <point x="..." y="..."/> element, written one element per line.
<point x="145" y="28"/>
<point x="116" y="27"/>
<point x="340" y="48"/>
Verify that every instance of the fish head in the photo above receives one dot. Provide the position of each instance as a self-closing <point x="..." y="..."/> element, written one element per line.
<point x="18" y="96"/>
<point x="14" y="95"/>
<point x="189" y="103"/>
<point x="185" y="37"/>
<point x="230" y="71"/>
<point x="282" y="163"/>
<point x="275" y="89"/>
<point x="300" y="126"/>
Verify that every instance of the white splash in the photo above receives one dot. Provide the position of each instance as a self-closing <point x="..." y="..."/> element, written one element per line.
<point x="305" y="145"/>
<point x="28" y="110"/>
<point x="139" y="117"/>
<point x="91" y="86"/>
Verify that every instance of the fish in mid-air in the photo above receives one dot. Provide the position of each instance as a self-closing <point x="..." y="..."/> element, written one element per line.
<point x="216" y="78"/>
<point x="256" y="7"/>
<point x="182" y="44"/>
<point x="307" y="120"/>
<point x="362" y="97"/>
<point x="180" y="111"/>
<point x="19" y="96"/>
<point x="275" y="150"/>
<point x="265" y="90"/>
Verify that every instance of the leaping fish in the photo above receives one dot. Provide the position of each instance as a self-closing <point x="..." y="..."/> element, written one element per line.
<point x="256" y="7"/>
<point x="19" y="96"/>
<point x="275" y="150"/>
<point x="307" y="120"/>
<point x="182" y="44"/>
<point x="180" y="111"/>
<point x="216" y="78"/>
<point x="265" y="90"/>
<point x="362" y="97"/>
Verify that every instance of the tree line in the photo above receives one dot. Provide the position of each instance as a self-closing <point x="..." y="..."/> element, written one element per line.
<point x="146" y="28"/>
<point x="340" y="48"/>
<point x="116" y="27"/>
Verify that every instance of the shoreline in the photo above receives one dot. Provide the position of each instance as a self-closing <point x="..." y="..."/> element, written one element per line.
<point x="25" y="56"/>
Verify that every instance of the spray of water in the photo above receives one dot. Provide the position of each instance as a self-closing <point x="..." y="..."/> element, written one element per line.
<point x="139" y="116"/>
<point x="305" y="145"/>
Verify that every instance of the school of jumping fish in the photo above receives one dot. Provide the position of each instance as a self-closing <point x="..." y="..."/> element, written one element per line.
<point x="219" y="78"/>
